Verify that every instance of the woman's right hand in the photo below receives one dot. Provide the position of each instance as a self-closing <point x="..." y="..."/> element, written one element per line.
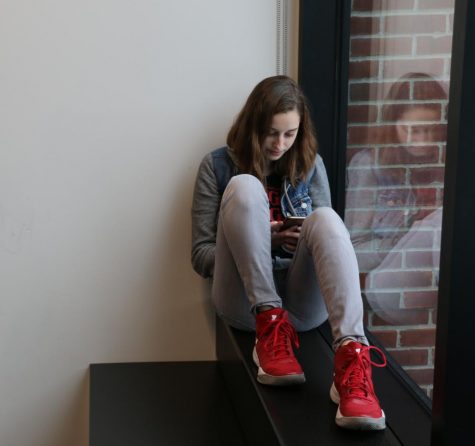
<point x="287" y="238"/>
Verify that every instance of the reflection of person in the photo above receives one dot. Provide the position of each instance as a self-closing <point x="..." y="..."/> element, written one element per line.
<point x="401" y="213"/>
<point x="270" y="170"/>
<point x="423" y="242"/>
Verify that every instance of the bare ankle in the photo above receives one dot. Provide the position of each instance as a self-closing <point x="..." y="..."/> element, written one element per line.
<point x="262" y="308"/>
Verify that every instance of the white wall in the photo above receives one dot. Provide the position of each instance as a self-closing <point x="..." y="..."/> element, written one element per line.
<point x="107" y="106"/>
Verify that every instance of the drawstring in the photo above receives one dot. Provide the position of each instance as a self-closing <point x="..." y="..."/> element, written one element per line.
<point x="288" y="199"/>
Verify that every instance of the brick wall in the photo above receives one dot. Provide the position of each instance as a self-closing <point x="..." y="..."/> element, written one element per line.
<point x="399" y="71"/>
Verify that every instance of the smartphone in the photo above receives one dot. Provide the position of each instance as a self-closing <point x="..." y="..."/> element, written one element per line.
<point x="292" y="221"/>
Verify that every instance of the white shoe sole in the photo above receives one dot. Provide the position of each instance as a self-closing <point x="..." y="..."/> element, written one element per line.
<point x="271" y="380"/>
<point x="356" y="423"/>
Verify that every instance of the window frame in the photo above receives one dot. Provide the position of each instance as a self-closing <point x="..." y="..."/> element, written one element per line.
<point x="324" y="36"/>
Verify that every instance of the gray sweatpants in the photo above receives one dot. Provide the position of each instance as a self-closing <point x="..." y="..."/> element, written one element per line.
<point x="321" y="282"/>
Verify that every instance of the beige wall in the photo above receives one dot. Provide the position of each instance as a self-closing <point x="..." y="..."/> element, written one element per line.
<point x="107" y="106"/>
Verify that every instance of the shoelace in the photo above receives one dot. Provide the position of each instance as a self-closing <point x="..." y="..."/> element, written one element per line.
<point x="356" y="377"/>
<point x="277" y="335"/>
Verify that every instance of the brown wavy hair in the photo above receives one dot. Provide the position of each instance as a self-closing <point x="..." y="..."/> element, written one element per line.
<point x="273" y="95"/>
<point x="429" y="94"/>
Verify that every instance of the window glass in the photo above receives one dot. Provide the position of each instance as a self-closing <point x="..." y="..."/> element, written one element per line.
<point x="400" y="55"/>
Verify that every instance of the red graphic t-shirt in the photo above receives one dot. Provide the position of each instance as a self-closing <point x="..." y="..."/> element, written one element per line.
<point x="273" y="188"/>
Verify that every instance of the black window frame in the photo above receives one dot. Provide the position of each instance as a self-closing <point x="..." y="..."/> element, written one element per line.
<point x="324" y="35"/>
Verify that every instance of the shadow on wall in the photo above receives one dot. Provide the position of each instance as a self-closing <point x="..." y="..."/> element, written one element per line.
<point x="71" y="416"/>
<point x="154" y="306"/>
<point x="190" y="299"/>
<point x="74" y="428"/>
<point x="164" y="297"/>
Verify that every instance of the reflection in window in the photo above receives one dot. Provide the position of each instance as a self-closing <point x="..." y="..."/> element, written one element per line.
<point x="395" y="169"/>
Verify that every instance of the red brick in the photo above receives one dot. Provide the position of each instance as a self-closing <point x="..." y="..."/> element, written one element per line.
<point x="402" y="317"/>
<point x="429" y="90"/>
<point x="436" y="4"/>
<point x="420" y="155"/>
<point x="415" y="23"/>
<point x="362" y="113"/>
<point x="401" y="46"/>
<point x="395" y="175"/>
<point x="427" y="175"/>
<point x="442" y="154"/>
<point x="421" y="376"/>
<point x="376" y="91"/>
<point x="419" y="259"/>
<point x="425" y="196"/>
<point x="387" y="337"/>
<point x="378" y="5"/>
<point x="430" y="133"/>
<point x="398" y="155"/>
<point x="439" y="133"/>
<point x="428" y="45"/>
<point x="402" y="279"/>
<point x="364" y="26"/>
<point x="382" y="134"/>
<point x="421" y="337"/>
<point x="363" y="70"/>
<point x="420" y="299"/>
<point x="395" y="68"/>
<point x="410" y="357"/>
<point x="393" y="112"/>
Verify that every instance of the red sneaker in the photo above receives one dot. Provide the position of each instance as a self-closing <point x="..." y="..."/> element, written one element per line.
<point x="353" y="388"/>
<point x="273" y="352"/>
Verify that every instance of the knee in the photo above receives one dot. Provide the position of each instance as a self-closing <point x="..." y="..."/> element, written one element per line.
<point x="325" y="221"/>
<point x="244" y="190"/>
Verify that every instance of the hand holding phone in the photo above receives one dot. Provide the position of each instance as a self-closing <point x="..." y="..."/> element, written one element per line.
<point x="292" y="221"/>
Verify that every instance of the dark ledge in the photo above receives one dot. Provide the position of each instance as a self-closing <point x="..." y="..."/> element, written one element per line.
<point x="168" y="403"/>
<point x="304" y="414"/>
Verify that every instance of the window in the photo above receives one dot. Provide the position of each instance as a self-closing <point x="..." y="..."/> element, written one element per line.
<point x="324" y="68"/>
<point x="399" y="71"/>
